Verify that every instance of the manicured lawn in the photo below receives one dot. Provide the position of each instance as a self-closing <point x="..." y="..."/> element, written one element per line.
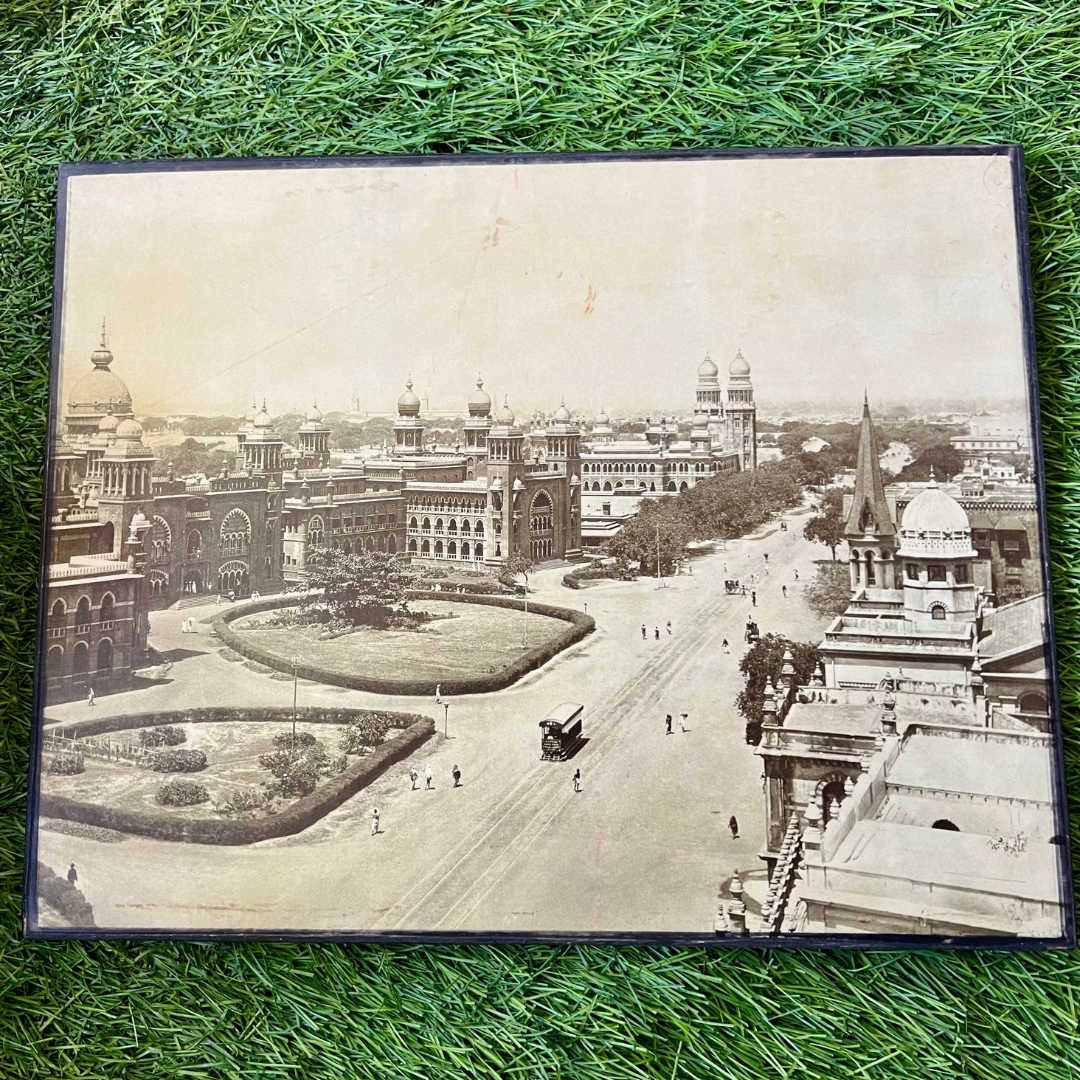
<point x="232" y="753"/>
<point x="477" y="640"/>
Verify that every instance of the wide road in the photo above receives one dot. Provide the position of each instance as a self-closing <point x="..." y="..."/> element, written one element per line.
<point x="643" y="846"/>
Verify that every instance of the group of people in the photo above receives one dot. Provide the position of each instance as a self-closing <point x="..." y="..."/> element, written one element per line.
<point x="414" y="777"/>
<point x="188" y="626"/>
<point x="656" y="631"/>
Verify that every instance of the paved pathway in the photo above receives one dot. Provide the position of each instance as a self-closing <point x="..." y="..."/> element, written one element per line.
<point x="642" y="846"/>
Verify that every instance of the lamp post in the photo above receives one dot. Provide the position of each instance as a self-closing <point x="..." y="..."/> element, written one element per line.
<point x="446" y="718"/>
<point x="661" y="584"/>
<point x="294" y="703"/>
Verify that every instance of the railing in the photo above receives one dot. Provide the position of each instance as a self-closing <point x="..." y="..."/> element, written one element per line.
<point x="197" y="515"/>
<point x="58" y="572"/>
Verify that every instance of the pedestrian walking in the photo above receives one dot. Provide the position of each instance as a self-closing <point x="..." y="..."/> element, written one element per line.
<point x="753" y="599"/>
<point x="668" y="721"/>
<point x="427" y="778"/>
<point x="733" y="825"/>
<point x="783" y="589"/>
<point x="438" y="693"/>
<point x="90" y="696"/>
<point x="413" y="776"/>
<point x="683" y="717"/>
<point x="725" y="646"/>
<point x="644" y="632"/>
<point x="72" y="876"/>
<point x="669" y="627"/>
<point x="796" y="575"/>
<point x="743" y="587"/>
<point x="766" y="558"/>
<point x="456" y="773"/>
<point x="658" y="633"/>
<point x="577" y="780"/>
<point x="374" y="820"/>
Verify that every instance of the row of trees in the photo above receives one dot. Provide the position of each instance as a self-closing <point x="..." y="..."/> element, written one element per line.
<point x="722" y="507"/>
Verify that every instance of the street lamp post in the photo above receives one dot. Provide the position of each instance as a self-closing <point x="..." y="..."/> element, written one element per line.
<point x="294" y="703"/>
<point x="446" y="718"/>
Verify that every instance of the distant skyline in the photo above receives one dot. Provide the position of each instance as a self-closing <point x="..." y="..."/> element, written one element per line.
<point x="606" y="284"/>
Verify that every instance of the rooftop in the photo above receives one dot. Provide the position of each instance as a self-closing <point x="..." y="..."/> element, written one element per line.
<point x="1019" y="625"/>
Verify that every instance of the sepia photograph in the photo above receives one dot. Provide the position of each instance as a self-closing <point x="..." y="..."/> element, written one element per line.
<point x="611" y="547"/>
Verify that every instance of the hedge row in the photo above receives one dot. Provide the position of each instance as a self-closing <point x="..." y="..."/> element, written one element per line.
<point x="309" y="714"/>
<point x="60" y="895"/>
<point x="578" y="626"/>
<point x="300" y="815"/>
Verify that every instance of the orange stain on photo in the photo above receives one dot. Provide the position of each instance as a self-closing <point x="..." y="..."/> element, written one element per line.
<point x="590" y="300"/>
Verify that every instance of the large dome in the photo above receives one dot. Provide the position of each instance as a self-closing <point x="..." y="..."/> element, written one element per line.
<point x="131" y="430"/>
<point x="739" y="366"/>
<point x="934" y="511"/>
<point x="562" y="414"/>
<point x="707" y="369"/>
<point x="935" y="525"/>
<point x="479" y="400"/>
<point x="408" y="404"/>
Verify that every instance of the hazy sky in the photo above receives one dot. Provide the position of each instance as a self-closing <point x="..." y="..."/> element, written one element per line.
<point x="604" y="283"/>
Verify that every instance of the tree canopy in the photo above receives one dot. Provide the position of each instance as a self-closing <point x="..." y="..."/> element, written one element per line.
<point x="829" y="591"/>
<point x="763" y="659"/>
<point x="828" y="526"/>
<point x="365" y="588"/>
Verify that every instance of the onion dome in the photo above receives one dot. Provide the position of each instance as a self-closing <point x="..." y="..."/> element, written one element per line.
<point x="518" y="485"/>
<point x="313" y="413"/>
<point x="739" y="367"/>
<point x="562" y="414"/>
<point x="262" y="420"/>
<point x="100" y="388"/>
<point x="505" y="415"/>
<point x="479" y="401"/>
<point x="602" y="417"/>
<point x="935" y="525"/>
<point x="707" y="369"/>
<point x="129" y="431"/>
<point x="496" y="484"/>
<point x="408" y="404"/>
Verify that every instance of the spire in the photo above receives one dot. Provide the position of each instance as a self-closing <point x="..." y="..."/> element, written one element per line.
<point x="869" y="514"/>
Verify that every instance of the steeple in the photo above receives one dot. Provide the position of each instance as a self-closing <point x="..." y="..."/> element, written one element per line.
<point x="869" y="514"/>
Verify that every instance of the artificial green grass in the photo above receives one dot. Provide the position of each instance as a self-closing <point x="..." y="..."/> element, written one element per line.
<point x="179" y="78"/>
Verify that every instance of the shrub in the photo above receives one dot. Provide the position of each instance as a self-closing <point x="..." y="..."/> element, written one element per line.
<point x="162" y="736"/>
<point x="63" y="898"/>
<point x="66" y="764"/>
<point x="284" y="740"/>
<point x="179" y="761"/>
<point x="182" y="793"/>
<point x="243" y="801"/>
<point x="363" y="733"/>
<point x="296" y="772"/>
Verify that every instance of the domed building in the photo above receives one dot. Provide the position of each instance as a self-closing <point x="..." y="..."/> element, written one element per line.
<point x="97" y="393"/>
<point x="313" y="440"/>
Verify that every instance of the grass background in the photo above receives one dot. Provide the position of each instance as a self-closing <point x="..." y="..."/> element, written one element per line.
<point x="127" y="79"/>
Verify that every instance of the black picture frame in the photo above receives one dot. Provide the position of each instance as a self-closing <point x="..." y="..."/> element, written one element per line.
<point x="1014" y="153"/>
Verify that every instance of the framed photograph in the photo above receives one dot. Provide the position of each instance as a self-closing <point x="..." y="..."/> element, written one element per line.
<point x="625" y="547"/>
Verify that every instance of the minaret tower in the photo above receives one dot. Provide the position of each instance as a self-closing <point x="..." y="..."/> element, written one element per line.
<point x="314" y="440"/>
<point x="708" y="407"/>
<point x="740" y="413"/>
<point x="563" y="445"/>
<point x="263" y="446"/>
<point x="476" y="431"/>
<point x="505" y="469"/>
<point x="127" y="469"/>
<point x="869" y="529"/>
<point x="408" y="428"/>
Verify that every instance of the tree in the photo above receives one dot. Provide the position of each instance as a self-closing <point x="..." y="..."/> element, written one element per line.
<point x="945" y="461"/>
<point x="518" y="564"/>
<point x="765" y="659"/>
<point x="830" y="590"/>
<point x="365" y="588"/>
<point x="659" y="519"/>
<point x="828" y="527"/>
<point x="296" y="769"/>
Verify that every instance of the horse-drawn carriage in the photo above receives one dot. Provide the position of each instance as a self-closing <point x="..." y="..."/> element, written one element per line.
<point x="732" y="587"/>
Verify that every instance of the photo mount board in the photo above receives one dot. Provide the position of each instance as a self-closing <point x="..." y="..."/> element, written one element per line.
<point x="704" y="932"/>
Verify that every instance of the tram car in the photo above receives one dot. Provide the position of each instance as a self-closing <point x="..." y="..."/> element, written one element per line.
<point x="560" y="732"/>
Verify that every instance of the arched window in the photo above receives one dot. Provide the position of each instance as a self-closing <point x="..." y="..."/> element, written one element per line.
<point x="104" y="658"/>
<point x="937" y="612"/>
<point x="370" y="545"/>
<point x="391" y="545"/>
<point x="107" y="612"/>
<point x="412" y="545"/>
<point x="235" y="533"/>
<point x="451" y="528"/>
<point x="54" y="662"/>
<point x="426" y="547"/>
<point x="412" y="523"/>
<point x="315" y="531"/>
<point x="478" y="551"/>
<point x="426" y="526"/>
<point x="464" y="549"/>
<point x="80" y="661"/>
<point x="607" y="485"/>
<point x="82" y="616"/>
<point x="108" y="536"/>
<point x="479" y="530"/>
<point x="438" y="549"/>
<point x="1034" y="703"/>
<point x="438" y="525"/>
<point x="870" y="569"/>
<point x="465" y="528"/>
<point x="194" y="544"/>
<point x="59" y="610"/>
<point x="451" y="550"/>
